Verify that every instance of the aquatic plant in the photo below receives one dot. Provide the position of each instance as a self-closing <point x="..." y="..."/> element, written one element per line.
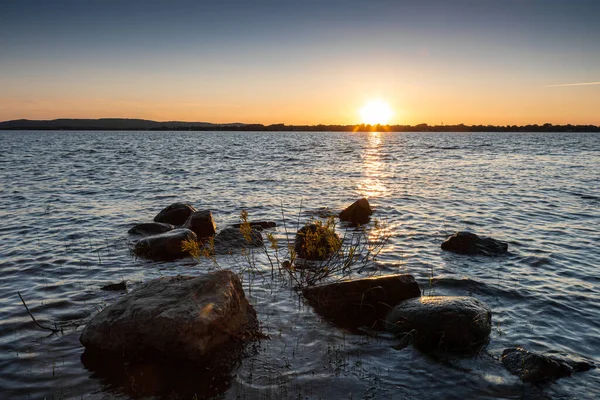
<point x="329" y="256"/>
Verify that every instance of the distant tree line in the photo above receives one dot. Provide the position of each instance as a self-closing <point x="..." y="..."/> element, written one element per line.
<point x="116" y="124"/>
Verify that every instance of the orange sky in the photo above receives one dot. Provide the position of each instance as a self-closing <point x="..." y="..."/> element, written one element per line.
<point x="312" y="63"/>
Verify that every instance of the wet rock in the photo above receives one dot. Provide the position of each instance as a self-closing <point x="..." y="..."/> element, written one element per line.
<point x="470" y="243"/>
<point x="258" y="225"/>
<point x="115" y="286"/>
<point x="151" y="228"/>
<point x="231" y="240"/>
<point x="446" y="323"/>
<point x="536" y="368"/>
<point x="201" y="223"/>
<point x="357" y="213"/>
<point x="180" y="317"/>
<point x="316" y="243"/>
<point x="175" y="214"/>
<point x="361" y="302"/>
<point x="166" y="246"/>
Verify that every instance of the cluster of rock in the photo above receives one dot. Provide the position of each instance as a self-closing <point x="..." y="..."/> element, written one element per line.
<point x="195" y="318"/>
<point x="394" y="303"/>
<point x="181" y="223"/>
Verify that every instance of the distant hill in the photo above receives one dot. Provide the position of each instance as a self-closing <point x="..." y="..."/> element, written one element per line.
<point x="125" y="124"/>
<point x="107" y="124"/>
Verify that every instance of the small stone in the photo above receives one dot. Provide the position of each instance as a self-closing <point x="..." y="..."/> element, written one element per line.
<point x="175" y="214"/>
<point x="115" y="286"/>
<point x="358" y="213"/>
<point x="201" y="223"/>
<point x="470" y="243"/>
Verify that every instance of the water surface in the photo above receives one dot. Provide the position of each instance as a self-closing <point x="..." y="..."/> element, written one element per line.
<point x="68" y="199"/>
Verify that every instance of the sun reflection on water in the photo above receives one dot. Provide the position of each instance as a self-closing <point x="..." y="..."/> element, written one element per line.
<point x="374" y="168"/>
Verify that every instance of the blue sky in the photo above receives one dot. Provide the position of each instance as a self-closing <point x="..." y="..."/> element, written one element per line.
<point x="301" y="62"/>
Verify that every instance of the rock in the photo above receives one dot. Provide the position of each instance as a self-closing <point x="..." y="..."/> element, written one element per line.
<point x="151" y="228"/>
<point x="357" y="213"/>
<point x="175" y="214"/>
<point x="361" y="302"/>
<point x="316" y="243"/>
<point x="115" y="286"/>
<point x="535" y="368"/>
<point x="258" y="225"/>
<point x="180" y="317"/>
<point x="447" y="323"/>
<point x="470" y="243"/>
<point x="231" y="240"/>
<point x="201" y="223"/>
<point x="166" y="246"/>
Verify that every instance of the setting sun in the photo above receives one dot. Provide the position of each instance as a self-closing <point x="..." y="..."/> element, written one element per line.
<point x="376" y="112"/>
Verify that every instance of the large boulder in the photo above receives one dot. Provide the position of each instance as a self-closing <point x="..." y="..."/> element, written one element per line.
<point x="470" y="243"/>
<point x="151" y="228"/>
<point x="166" y="246"/>
<point x="181" y="317"/>
<point x="358" y="213"/>
<point x="232" y="240"/>
<point x="446" y="323"/>
<point x="535" y="367"/>
<point x="316" y="243"/>
<point x="201" y="223"/>
<point x="361" y="302"/>
<point x="175" y="214"/>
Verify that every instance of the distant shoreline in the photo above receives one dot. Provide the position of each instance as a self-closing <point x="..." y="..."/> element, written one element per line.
<point x="122" y="124"/>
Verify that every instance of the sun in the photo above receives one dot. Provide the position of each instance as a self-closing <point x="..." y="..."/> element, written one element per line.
<point x="376" y="112"/>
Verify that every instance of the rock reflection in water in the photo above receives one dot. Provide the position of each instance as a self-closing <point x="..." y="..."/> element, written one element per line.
<point x="160" y="377"/>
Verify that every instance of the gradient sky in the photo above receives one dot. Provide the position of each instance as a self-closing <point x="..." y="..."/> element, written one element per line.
<point x="302" y="62"/>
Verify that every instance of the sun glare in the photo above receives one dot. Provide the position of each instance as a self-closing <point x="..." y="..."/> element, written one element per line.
<point x="376" y="112"/>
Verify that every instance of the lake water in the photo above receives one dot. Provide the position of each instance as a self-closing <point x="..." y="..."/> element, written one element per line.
<point x="68" y="199"/>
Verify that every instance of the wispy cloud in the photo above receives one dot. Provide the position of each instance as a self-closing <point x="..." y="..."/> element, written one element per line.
<point x="575" y="84"/>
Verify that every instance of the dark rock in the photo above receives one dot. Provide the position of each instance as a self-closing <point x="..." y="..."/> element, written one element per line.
<point x="151" y="228"/>
<point x="165" y="246"/>
<point x="231" y="240"/>
<point x="115" y="286"/>
<point x="357" y="213"/>
<point x="180" y="317"/>
<point x="258" y="225"/>
<point x="470" y="243"/>
<point x="175" y="214"/>
<point x="454" y="324"/>
<point x="536" y="368"/>
<point x="316" y="243"/>
<point x="361" y="302"/>
<point x="201" y="223"/>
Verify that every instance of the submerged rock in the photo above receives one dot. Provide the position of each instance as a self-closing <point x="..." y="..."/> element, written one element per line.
<point x="175" y="214"/>
<point x="115" y="286"/>
<point x="316" y="243"/>
<point x="536" y="368"/>
<point x="180" y="317"/>
<point x="258" y="225"/>
<point x="151" y="228"/>
<point x="231" y="240"/>
<point x="357" y="213"/>
<point x="166" y="246"/>
<point x="447" y="323"/>
<point x="361" y="302"/>
<point x="201" y="223"/>
<point x="470" y="243"/>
